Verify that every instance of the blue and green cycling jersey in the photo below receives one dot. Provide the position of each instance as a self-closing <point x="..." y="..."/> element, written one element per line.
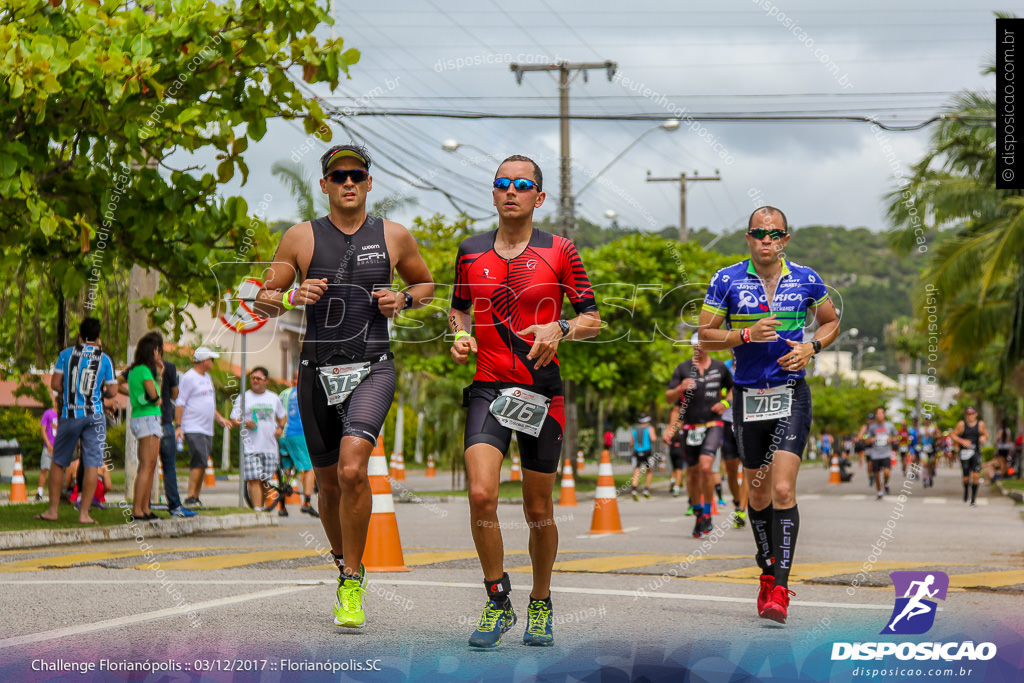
<point x="737" y="293"/>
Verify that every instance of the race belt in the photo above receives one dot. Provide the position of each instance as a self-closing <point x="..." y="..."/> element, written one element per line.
<point x="767" y="404"/>
<point x="339" y="381"/>
<point x="520" y="410"/>
<point x="695" y="433"/>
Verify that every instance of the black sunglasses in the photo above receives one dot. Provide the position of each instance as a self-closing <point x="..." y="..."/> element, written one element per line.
<point x="357" y="175"/>
<point x="758" y="234"/>
<point x="521" y="184"/>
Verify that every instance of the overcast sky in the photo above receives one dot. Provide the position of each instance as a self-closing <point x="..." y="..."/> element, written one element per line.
<point x="897" y="61"/>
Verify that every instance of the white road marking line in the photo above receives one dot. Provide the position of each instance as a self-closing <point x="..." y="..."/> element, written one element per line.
<point x="810" y="496"/>
<point x="217" y="582"/>
<point x="672" y="519"/>
<point x="113" y="623"/>
<point x="146" y="616"/>
<point x="854" y="496"/>
<point x="934" y="501"/>
<point x="652" y="595"/>
<point x="625" y="531"/>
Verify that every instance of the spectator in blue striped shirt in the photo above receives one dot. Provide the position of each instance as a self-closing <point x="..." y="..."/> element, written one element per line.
<point x="84" y="376"/>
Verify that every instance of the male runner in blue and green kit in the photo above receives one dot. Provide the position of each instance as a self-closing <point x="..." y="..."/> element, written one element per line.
<point x="344" y="263"/>
<point x="765" y="301"/>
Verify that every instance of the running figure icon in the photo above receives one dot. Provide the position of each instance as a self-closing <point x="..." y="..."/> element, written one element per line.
<point x="915" y="606"/>
<point x="916" y="595"/>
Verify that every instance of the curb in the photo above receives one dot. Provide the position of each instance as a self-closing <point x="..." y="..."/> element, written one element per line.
<point x="413" y="499"/>
<point x="1015" y="495"/>
<point x="165" y="528"/>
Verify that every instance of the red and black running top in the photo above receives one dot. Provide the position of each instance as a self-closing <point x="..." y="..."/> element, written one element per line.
<point x="509" y="295"/>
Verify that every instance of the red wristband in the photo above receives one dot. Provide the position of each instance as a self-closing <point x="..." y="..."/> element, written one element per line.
<point x="745" y="335"/>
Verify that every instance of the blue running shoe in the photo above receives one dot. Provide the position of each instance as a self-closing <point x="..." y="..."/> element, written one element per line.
<point x="538" y="629"/>
<point x="494" y="621"/>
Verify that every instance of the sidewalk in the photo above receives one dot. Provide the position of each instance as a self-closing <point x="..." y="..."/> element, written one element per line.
<point x="225" y="494"/>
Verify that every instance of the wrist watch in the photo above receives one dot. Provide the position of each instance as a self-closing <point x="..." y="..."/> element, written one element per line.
<point x="564" y="324"/>
<point x="816" y="345"/>
<point x="408" y="300"/>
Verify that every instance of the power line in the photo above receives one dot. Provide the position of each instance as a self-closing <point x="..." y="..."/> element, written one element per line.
<point x="727" y="118"/>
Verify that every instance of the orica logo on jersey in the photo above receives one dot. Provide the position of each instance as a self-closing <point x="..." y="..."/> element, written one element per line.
<point x="748" y="300"/>
<point x="914" y="611"/>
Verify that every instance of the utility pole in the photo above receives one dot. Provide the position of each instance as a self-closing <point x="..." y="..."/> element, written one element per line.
<point x="566" y="76"/>
<point x="566" y="204"/>
<point x="682" y="180"/>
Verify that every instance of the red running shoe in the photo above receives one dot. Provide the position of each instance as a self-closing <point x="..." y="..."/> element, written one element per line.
<point x="767" y="584"/>
<point x="778" y="603"/>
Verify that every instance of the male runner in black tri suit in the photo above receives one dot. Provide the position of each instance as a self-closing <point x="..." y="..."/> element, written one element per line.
<point x="514" y="280"/>
<point x="696" y="392"/>
<point x="970" y="434"/>
<point x="345" y="263"/>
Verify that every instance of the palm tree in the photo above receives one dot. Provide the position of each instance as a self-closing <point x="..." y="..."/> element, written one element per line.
<point x="300" y="185"/>
<point x="974" y="277"/>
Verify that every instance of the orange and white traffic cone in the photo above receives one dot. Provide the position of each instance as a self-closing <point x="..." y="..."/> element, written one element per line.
<point x="211" y="479"/>
<point x="833" y="474"/>
<point x="579" y="461"/>
<point x="714" y="505"/>
<point x="431" y="472"/>
<point x="606" y="507"/>
<point x="393" y="468"/>
<point x="401" y="467"/>
<point x="383" y="551"/>
<point x="517" y="474"/>
<point x="568" y="495"/>
<point x="18" y="492"/>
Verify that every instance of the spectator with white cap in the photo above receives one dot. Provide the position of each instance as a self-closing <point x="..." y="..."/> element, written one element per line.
<point x="195" y="412"/>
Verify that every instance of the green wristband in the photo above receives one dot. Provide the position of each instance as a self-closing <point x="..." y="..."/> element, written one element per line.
<point x="460" y="334"/>
<point x="726" y="403"/>
<point x="286" y="299"/>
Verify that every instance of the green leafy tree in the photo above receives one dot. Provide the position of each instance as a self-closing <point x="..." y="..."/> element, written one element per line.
<point x="95" y="97"/>
<point x="645" y="287"/>
<point x="843" y="409"/>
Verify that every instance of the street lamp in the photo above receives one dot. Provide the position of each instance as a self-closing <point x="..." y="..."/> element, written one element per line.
<point x="452" y="145"/>
<point x="852" y="333"/>
<point x="668" y="125"/>
<point x="860" y="353"/>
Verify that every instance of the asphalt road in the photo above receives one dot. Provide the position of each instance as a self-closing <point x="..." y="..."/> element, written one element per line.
<point x="650" y="602"/>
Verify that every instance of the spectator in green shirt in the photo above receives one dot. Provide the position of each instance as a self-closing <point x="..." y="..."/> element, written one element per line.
<point x="144" y="378"/>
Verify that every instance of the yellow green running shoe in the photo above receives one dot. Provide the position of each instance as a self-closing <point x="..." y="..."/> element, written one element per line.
<point x="348" y="606"/>
<point x="538" y="629"/>
<point x="494" y="621"/>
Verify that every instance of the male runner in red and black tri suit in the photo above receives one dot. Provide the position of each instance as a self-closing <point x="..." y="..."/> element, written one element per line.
<point x="345" y="262"/>
<point x="514" y="279"/>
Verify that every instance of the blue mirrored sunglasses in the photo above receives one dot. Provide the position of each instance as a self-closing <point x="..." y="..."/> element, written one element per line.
<point x="521" y="184"/>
